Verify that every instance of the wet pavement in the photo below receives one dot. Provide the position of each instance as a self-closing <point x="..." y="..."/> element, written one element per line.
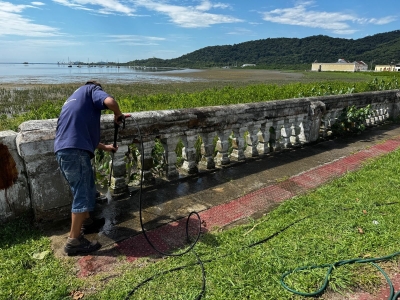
<point x="223" y="198"/>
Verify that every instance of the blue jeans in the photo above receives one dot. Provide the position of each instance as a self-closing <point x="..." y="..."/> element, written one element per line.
<point x="77" y="169"/>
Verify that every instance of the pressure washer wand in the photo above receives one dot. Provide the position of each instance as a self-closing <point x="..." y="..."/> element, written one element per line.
<point x="116" y="127"/>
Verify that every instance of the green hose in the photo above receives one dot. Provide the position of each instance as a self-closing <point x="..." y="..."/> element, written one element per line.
<point x="330" y="267"/>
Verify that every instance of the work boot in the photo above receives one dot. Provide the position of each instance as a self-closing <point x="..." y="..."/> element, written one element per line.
<point x="80" y="246"/>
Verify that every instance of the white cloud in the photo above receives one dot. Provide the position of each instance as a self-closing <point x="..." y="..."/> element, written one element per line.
<point x="241" y="31"/>
<point x="137" y="37"/>
<point x="190" y="16"/>
<point x="183" y="16"/>
<point x="47" y="43"/>
<point x="99" y="6"/>
<point x="336" y="22"/>
<point x="204" y="6"/>
<point x="13" y="23"/>
<point x="137" y="40"/>
<point x="207" y="5"/>
<point x="383" y="21"/>
<point x="38" y="3"/>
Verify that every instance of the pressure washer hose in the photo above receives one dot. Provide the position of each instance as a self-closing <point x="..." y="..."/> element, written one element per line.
<point x="187" y="227"/>
<point x="331" y="267"/>
<point x="335" y="265"/>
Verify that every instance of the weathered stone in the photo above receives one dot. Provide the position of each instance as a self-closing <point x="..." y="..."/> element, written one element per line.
<point x="267" y="126"/>
<point x="14" y="191"/>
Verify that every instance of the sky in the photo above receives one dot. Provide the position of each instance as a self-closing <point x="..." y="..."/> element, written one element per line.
<point x="124" y="30"/>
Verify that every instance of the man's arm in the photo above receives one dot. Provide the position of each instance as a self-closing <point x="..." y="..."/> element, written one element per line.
<point x="113" y="105"/>
<point x="118" y="118"/>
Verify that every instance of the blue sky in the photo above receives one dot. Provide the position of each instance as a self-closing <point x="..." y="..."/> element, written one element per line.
<point x="124" y="30"/>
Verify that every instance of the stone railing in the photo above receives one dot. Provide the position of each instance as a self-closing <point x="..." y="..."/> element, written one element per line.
<point x="32" y="182"/>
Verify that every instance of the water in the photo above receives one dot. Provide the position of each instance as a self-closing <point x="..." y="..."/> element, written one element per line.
<point x="56" y="74"/>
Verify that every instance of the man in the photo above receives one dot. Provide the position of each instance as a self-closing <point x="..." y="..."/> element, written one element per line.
<point x="77" y="137"/>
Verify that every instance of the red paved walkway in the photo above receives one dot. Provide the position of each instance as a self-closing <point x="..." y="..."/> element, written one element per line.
<point x="166" y="238"/>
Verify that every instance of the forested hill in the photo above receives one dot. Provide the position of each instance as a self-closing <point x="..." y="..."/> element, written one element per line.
<point x="382" y="48"/>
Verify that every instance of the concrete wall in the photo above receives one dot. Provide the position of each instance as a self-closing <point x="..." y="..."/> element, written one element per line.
<point x="323" y="67"/>
<point x="33" y="183"/>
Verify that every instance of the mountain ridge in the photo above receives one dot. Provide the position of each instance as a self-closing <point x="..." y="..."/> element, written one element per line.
<point x="381" y="48"/>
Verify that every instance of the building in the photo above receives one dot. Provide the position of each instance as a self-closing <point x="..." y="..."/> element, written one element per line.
<point x="389" y="68"/>
<point x="340" y="65"/>
<point x="248" y="65"/>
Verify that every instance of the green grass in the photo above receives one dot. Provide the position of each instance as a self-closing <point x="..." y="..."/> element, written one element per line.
<point x="45" y="101"/>
<point x="323" y="226"/>
<point x="28" y="269"/>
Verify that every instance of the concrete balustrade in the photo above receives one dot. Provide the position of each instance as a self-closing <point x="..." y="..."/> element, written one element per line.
<point x="228" y="134"/>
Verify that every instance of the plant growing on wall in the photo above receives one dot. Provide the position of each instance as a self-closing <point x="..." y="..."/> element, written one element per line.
<point x="352" y="120"/>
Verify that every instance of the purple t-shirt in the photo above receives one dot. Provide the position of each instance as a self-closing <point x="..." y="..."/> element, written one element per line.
<point x="79" y="123"/>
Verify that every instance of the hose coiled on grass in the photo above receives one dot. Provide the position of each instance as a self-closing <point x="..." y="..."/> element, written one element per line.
<point x="337" y="264"/>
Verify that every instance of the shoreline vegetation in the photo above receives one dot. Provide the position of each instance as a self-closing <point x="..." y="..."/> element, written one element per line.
<point x="209" y="87"/>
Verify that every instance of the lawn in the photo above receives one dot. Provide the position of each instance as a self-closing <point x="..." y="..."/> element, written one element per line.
<point x="347" y="218"/>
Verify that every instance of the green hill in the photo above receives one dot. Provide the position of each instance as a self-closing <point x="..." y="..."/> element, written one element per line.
<point x="382" y="48"/>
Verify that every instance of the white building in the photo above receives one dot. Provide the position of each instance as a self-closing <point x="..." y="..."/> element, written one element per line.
<point x="389" y="68"/>
<point x="340" y="65"/>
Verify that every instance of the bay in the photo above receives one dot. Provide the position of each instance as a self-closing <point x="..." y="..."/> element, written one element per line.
<point x="36" y="73"/>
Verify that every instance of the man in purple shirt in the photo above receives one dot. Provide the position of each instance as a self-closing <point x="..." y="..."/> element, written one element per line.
<point x="77" y="137"/>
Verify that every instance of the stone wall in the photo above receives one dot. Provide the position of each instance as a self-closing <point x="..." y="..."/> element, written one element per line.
<point x="32" y="182"/>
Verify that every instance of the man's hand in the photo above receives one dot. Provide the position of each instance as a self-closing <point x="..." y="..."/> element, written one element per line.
<point x="120" y="118"/>
<point x="108" y="148"/>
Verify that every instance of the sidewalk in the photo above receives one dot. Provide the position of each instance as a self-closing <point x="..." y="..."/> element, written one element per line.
<point x="225" y="198"/>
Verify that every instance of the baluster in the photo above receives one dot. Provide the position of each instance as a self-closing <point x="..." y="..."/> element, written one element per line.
<point x="169" y="143"/>
<point x="332" y="115"/>
<point x="302" y="127"/>
<point x="386" y="113"/>
<point x="371" y="117"/>
<point x="278" y="138"/>
<point x="252" y="141"/>
<point x="368" y="121"/>
<point x="189" y="153"/>
<point x="147" y="161"/>
<point x="237" y="145"/>
<point x="294" y="133"/>
<point x="207" y="150"/>
<point x="118" y="183"/>
<point x="222" y="157"/>
<point x="263" y="136"/>
<point x="324" y="126"/>
<point x="376" y="116"/>
<point x="381" y="118"/>
<point x="285" y="133"/>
